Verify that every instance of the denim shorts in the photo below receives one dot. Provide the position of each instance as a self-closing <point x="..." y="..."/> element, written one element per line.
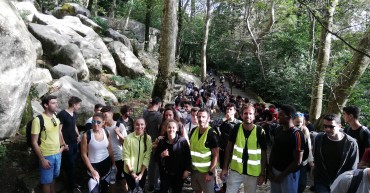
<point x="48" y="175"/>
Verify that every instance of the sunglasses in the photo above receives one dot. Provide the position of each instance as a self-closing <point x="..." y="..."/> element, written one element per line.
<point x="299" y="115"/>
<point x="329" y="126"/>
<point x="95" y="122"/>
<point x="54" y="122"/>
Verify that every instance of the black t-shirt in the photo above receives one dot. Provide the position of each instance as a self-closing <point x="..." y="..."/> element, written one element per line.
<point x="286" y="143"/>
<point x="310" y="127"/>
<point x="212" y="138"/>
<point x="332" y="151"/>
<point x="225" y="129"/>
<point x="261" y="140"/>
<point x="153" y="120"/>
<point x="69" y="126"/>
<point x="129" y="125"/>
<point x="362" y="144"/>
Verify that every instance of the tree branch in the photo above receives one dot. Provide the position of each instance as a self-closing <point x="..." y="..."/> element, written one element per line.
<point x="333" y="33"/>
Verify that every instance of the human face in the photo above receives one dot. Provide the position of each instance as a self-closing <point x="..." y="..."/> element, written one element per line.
<point x="346" y="117"/>
<point x="230" y="111"/>
<point x="171" y="129"/>
<point x="187" y="107"/>
<point x="168" y="114"/>
<point x="97" y="123"/>
<point x="128" y="113"/>
<point x="298" y="121"/>
<point x="331" y="128"/>
<point x="98" y="110"/>
<point x="248" y="115"/>
<point x="108" y="116"/>
<point x="203" y="119"/>
<point x="139" y="126"/>
<point x="52" y="105"/>
<point x="76" y="106"/>
<point x="283" y="118"/>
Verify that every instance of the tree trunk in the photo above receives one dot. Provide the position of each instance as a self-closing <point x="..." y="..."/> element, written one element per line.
<point x="113" y="8"/>
<point x="322" y="62"/>
<point x="192" y="10"/>
<point x="203" y="56"/>
<point x="167" y="51"/>
<point x="178" y="41"/>
<point x="349" y="77"/>
<point x="131" y="3"/>
<point x="148" y="18"/>
<point x="89" y="5"/>
<point x="312" y="45"/>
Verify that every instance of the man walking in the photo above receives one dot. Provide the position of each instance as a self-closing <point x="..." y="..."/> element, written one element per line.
<point x="335" y="153"/>
<point x="286" y="153"/>
<point x="204" y="154"/>
<point x="51" y="146"/>
<point x="246" y="153"/>
<point x="357" y="131"/>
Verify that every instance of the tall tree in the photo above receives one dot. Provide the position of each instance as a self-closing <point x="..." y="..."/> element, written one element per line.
<point x="322" y="61"/>
<point x="130" y="4"/>
<point x="148" y="19"/>
<point x="207" y="23"/>
<point x="349" y="76"/>
<point x="167" y="50"/>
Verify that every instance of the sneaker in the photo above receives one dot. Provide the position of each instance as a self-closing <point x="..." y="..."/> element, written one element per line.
<point x="217" y="188"/>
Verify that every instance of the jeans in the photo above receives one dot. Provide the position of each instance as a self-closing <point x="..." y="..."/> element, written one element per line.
<point x="302" y="179"/>
<point x="289" y="184"/>
<point x="171" y="181"/>
<point x="131" y="183"/>
<point x="321" y="188"/>
<point x="47" y="176"/>
<point x="153" y="173"/>
<point x="69" y="164"/>
<point x="235" y="180"/>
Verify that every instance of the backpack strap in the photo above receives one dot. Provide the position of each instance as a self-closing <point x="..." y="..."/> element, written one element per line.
<point x="356" y="180"/>
<point x="42" y="124"/>
<point x="88" y="135"/>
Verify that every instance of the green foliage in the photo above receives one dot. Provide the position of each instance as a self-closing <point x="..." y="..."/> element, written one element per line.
<point x="3" y="157"/>
<point x="139" y="88"/>
<point x="102" y="23"/>
<point x="196" y="70"/>
<point x="360" y="97"/>
<point x="33" y="94"/>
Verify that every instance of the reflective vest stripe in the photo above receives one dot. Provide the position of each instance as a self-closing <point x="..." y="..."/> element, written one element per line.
<point x="202" y="164"/>
<point x="197" y="154"/>
<point x="239" y="160"/>
<point x="240" y="150"/>
<point x="255" y="152"/>
<point x="254" y="162"/>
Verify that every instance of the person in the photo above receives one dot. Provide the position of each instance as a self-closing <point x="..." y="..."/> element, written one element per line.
<point x="365" y="160"/>
<point x="169" y="113"/>
<point x="357" y="131"/>
<point x="52" y="143"/>
<point x="335" y="152"/>
<point x="286" y="153"/>
<point x="126" y="118"/>
<point x="194" y="120"/>
<point x="173" y="156"/>
<point x="343" y="182"/>
<point x="71" y="135"/>
<point x="228" y="123"/>
<point x="309" y="125"/>
<point x="187" y="107"/>
<point x="97" y="109"/>
<point x="299" y="123"/>
<point x="97" y="154"/>
<point x="204" y="154"/>
<point x="117" y="135"/>
<point x="136" y="151"/>
<point x="153" y="119"/>
<point x="245" y="154"/>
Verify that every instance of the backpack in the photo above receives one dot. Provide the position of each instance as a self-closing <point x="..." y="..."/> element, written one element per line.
<point x="88" y="132"/>
<point x="356" y="180"/>
<point x="306" y="150"/>
<point x="363" y="130"/>
<point x="29" y="128"/>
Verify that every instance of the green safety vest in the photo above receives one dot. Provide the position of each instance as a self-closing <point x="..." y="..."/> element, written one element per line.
<point x="200" y="154"/>
<point x="254" y="153"/>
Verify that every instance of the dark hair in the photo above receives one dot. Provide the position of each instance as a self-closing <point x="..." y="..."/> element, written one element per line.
<point x="175" y="115"/>
<point x="187" y="103"/>
<point x="203" y="110"/>
<point x="352" y="110"/>
<point x="145" y="134"/>
<point x="73" y="100"/>
<point x="98" y="106"/>
<point x="231" y="105"/>
<point x="246" y="100"/>
<point x="288" y="110"/>
<point x="155" y="100"/>
<point x="332" y="117"/>
<point x="99" y="115"/>
<point x="106" y="109"/>
<point x="124" y="109"/>
<point x="306" y="117"/>
<point x="46" y="99"/>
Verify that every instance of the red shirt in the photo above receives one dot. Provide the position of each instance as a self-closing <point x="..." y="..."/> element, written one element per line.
<point x="366" y="157"/>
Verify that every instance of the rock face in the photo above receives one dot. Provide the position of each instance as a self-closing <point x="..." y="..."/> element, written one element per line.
<point x="119" y="37"/>
<point x="56" y="33"/>
<point x="136" y="30"/>
<point x="148" y="61"/>
<point x="127" y="63"/>
<point x="26" y="9"/>
<point x="61" y="70"/>
<point x="41" y="75"/>
<point x="90" y="93"/>
<point x="18" y="58"/>
<point x="90" y="23"/>
<point x="70" y="9"/>
<point x="183" y="78"/>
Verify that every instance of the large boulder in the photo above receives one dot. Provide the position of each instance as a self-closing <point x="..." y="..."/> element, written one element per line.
<point x="148" y="61"/>
<point x="115" y="35"/>
<point x="126" y="61"/>
<point x="90" y="23"/>
<point x="41" y="75"/>
<point x="136" y="30"/>
<point x="18" y="58"/>
<point x="70" y="9"/>
<point x="61" y="70"/>
<point x="90" y="94"/>
<point x="70" y="30"/>
<point x="184" y="78"/>
<point x="26" y="9"/>
<point x="38" y="47"/>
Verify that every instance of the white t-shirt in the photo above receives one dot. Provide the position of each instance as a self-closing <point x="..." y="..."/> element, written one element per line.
<point x="189" y="127"/>
<point x="116" y="144"/>
<point x="97" y="150"/>
<point x="343" y="181"/>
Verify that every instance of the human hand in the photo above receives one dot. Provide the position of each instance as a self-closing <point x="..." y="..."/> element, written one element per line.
<point x="165" y="153"/>
<point x="95" y="175"/>
<point x="185" y="174"/>
<point x="260" y="180"/>
<point x="224" y="174"/>
<point x="45" y="164"/>
<point x="208" y="178"/>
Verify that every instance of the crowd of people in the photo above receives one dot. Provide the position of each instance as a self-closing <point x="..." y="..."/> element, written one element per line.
<point x="184" y="143"/>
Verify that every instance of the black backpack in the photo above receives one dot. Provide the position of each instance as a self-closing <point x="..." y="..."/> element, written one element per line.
<point x="29" y="128"/>
<point x="356" y="180"/>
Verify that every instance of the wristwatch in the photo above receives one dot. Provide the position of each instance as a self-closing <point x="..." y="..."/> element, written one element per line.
<point x="210" y="173"/>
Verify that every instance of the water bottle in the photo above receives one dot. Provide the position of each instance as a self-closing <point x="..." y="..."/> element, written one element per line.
<point x="113" y="175"/>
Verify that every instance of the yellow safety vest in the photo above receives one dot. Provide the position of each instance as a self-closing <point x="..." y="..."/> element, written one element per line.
<point x="254" y="153"/>
<point x="200" y="154"/>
